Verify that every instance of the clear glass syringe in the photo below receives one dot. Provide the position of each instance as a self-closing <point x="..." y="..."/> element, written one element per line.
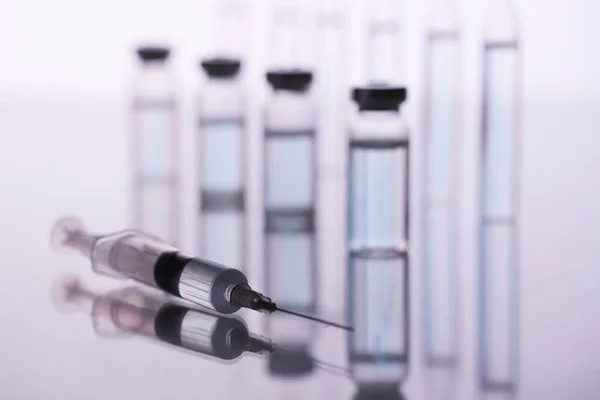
<point x="147" y="259"/>
<point x="498" y="240"/>
<point x="139" y="256"/>
<point x="441" y="120"/>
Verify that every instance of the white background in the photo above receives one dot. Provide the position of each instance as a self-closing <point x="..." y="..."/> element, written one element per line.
<point x="65" y="73"/>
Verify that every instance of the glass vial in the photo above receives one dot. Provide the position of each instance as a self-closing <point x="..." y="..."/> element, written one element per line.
<point x="289" y="206"/>
<point x="378" y="237"/>
<point x="221" y="164"/>
<point x="155" y="147"/>
<point x="498" y="252"/>
<point x="442" y="143"/>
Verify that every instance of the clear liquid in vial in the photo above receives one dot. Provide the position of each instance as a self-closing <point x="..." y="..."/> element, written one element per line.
<point x="378" y="190"/>
<point x="155" y="187"/>
<point x="378" y="259"/>
<point x="498" y="241"/>
<point x="221" y="182"/>
<point x="378" y="305"/>
<point x="290" y="218"/>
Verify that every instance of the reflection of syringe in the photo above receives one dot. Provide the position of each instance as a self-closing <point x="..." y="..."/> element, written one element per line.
<point x="135" y="311"/>
<point x="139" y="256"/>
<point x="131" y="310"/>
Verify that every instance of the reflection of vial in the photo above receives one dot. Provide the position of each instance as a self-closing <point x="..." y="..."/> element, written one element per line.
<point x="289" y="203"/>
<point x="378" y="392"/>
<point x="378" y="236"/>
<point x="156" y="147"/>
<point x="441" y="157"/>
<point x="498" y="255"/>
<point x="221" y="164"/>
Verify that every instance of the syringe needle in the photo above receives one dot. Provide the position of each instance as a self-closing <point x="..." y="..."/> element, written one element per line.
<point x="345" y="327"/>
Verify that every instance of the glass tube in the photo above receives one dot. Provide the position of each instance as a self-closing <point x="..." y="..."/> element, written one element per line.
<point x="442" y="141"/>
<point x="385" y="44"/>
<point x="498" y="254"/>
<point x="378" y="229"/>
<point x="289" y="205"/>
<point x="331" y="81"/>
<point x="155" y="147"/>
<point x="221" y="164"/>
<point x="332" y="95"/>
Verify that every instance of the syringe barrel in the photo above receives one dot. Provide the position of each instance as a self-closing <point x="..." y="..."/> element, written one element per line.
<point x="137" y="256"/>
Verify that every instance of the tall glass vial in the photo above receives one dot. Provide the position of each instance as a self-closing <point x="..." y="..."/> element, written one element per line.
<point x="221" y="164"/>
<point x="155" y="147"/>
<point x="442" y="145"/>
<point x="290" y="255"/>
<point x="378" y="236"/>
<point x="498" y="253"/>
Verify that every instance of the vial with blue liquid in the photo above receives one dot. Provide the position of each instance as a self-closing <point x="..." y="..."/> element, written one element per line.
<point x="221" y="163"/>
<point x="378" y="236"/>
<point x="290" y="253"/>
<point x="155" y="146"/>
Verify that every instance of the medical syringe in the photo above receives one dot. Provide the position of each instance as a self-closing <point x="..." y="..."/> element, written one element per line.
<point x="144" y="258"/>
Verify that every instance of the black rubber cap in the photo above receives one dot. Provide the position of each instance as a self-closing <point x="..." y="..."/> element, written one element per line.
<point x="294" y="80"/>
<point x="379" y="97"/>
<point x="221" y="68"/>
<point x="291" y="364"/>
<point x="153" y="53"/>
<point x="379" y="392"/>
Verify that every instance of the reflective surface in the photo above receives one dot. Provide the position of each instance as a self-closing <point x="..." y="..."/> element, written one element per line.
<point x="47" y="354"/>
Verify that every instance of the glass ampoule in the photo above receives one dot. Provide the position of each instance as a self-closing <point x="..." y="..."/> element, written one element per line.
<point x="331" y="87"/>
<point x="498" y="218"/>
<point x="442" y="144"/>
